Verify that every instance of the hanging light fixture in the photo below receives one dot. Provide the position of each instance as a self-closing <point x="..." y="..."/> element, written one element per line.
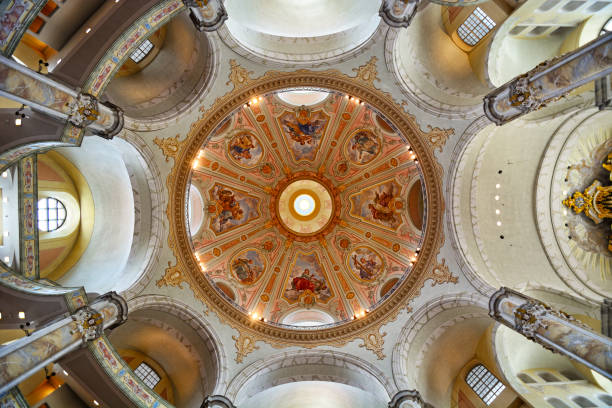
<point x="19" y="116"/>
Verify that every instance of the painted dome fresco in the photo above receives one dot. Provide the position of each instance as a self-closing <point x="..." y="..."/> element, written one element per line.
<point x="306" y="208"/>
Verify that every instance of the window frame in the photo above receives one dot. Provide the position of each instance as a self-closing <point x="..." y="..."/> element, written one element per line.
<point x="58" y="206"/>
<point x="142" y="51"/>
<point x="477" y="25"/>
<point x="484" y="383"/>
<point x="147" y="375"/>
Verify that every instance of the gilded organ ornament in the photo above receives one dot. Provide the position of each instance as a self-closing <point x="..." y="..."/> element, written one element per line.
<point x="595" y="201"/>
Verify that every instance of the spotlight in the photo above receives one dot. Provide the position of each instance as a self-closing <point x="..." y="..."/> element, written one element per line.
<point x="42" y="64"/>
<point x="19" y="116"/>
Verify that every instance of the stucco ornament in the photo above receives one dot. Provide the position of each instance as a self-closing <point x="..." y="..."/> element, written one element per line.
<point x="83" y="110"/>
<point x="89" y="323"/>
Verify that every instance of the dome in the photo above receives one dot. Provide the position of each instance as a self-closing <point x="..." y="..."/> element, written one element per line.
<point x="307" y="194"/>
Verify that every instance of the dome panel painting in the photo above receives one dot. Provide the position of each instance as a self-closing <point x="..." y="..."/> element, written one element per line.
<point x="306" y="208"/>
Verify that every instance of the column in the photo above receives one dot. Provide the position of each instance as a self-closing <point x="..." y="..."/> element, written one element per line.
<point x="553" y="329"/>
<point x="217" y="401"/>
<point x="16" y="17"/>
<point x="23" y="357"/>
<point x="408" y="399"/>
<point x="550" y="81"/>
<point x="42" y="94"/>
<point x="207" y="15"/>
<point x="398" y="13"/>
<point x="28" y="217"/>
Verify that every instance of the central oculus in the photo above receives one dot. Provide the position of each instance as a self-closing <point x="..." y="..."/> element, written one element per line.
<point x="305" y="207"/>
<point x="304" y="204"/>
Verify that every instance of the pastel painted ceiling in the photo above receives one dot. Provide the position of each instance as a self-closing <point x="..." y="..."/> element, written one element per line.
<point x="306" y="208"/>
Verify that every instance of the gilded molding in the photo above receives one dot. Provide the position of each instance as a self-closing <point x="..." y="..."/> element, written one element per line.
<point x="169" y="146"/>
<point x="368" y="72"/>
<point x="374" y="341"/>
<point x="438" y="137"/>
<point x="172" y="277"/>
<point x="245" y="345"/>
<point x="238" y="76"/>
<point x="245" y="88"/>
<point x="440" y="274"/>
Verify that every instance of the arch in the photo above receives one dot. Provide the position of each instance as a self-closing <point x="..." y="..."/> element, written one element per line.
<point x="442" y="83"/>
<point x="309" y="365"/>
<point x="422" y="337"/>
<point x="557" y="403"/>
<point x="213" y="366"/>
<point x="155" y="95"/>
<point x="272" y="41"/>
<point x="583" y="402"/>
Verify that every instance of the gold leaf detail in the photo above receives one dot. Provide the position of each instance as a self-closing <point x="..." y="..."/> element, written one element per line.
<point x="375" y="342"/>
<point x="169" y="146"/>
<point x="441" y="274"/>
<point x="172" y="277"/>
<point x="368" y="72"/>
<point x="437" y="137"/>
<point x="238" y="75"/>
<point x="244" y="346"/>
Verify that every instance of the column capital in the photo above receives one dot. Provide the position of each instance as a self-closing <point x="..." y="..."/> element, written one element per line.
<point x="398" y="13"/>
<point x="408" y="399"/>
<point x="206" y="15"/>
<point x="217" y="401"/>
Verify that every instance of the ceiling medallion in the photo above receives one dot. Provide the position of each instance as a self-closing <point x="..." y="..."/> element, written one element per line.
<point x="261" y="190"/>
<point x="321" y="210"/>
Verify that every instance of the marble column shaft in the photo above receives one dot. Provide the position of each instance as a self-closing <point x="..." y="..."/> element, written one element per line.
<point x="44" y="95"/>
<point x="550" y="81"/>
<point x="553" y="329"/>
<point x="23" y="357"/>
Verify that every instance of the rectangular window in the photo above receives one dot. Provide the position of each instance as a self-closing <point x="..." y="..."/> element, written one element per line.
<point x="142" y="51"/>
<point x="475" y="27"/>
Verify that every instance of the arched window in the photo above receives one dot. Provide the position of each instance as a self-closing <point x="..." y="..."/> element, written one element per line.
<point x="475" y="27"/>
<point x="572" y="376"/>
<point x="605" y="398"/>
<point x="557" y="403"/>
<point x="147" y="375"/>
<point x="142" y="51"/>
<point x="526" y="379"/>
<point x="548" y="377"/>
<point x="583" y="402"/>
<point x="51" y="214"/>
<point x="606" y="28"/>
<point x="484" y="383"/>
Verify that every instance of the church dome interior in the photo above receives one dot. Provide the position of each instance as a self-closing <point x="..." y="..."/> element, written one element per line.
<point x="300" y="204"/>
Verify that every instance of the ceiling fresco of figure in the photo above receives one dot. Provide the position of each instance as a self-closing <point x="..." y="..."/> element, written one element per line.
<point x="309" y="204"/>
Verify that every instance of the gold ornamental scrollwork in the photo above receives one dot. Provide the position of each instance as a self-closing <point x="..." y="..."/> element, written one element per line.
<point x="245" y="88"/>
<point x="440" y="274"/>
<point x="375" y="342"/>
<point x="173" y="276"/>
<point x="368" y="72"/>
<point x="245" y="345"/>
<point x="169" y="146"/>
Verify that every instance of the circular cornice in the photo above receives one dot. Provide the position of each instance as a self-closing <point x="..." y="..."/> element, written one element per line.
<point x="204" y="289"/>
<point x="285" y="229"/>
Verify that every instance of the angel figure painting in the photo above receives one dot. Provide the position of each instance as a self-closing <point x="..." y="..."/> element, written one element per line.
<point x="365" y="263"/>
<point x="248" y="266"/>
<point x="379" y="205"/>
<point x="303" y="130"/>
<point x="230" y="208"/>
<point x="307" y="279"/>
<point x="363" y="147"/>
<point x="245" y="149"/>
